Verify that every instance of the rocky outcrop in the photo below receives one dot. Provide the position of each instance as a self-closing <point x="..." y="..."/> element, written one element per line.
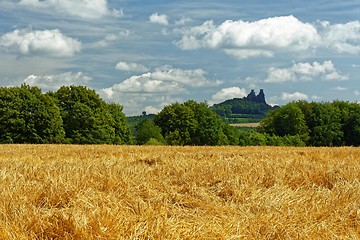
<point x="260" y="98"/>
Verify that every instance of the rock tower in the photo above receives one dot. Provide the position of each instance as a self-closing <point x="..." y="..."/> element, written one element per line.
<point x="260" y="98"/>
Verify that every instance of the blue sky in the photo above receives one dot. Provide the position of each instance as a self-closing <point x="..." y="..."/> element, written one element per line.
<point x="148" y="54"/>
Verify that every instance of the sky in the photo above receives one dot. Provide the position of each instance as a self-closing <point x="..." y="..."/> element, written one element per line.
<point x="149" y="54"/>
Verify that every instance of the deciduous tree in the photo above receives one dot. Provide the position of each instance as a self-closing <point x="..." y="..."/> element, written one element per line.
<point x="28" y="116"/>
<point x="88" y="119"/>
<point x="191" y="123"/>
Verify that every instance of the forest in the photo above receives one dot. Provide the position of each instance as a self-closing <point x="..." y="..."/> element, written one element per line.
<point x="77" y="115"/>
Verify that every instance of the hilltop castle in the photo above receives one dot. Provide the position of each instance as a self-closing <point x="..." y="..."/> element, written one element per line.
<point x="260" y="98"/>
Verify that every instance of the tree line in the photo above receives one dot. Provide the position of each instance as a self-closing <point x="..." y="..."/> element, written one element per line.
<point x="74" y="114"/>
<point x="295" y="124"/>
<point x="316" y="124"/>
<point x="77" y="115"/>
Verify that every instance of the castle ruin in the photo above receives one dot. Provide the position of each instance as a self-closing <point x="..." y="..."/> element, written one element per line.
<point x="260" y="98"/>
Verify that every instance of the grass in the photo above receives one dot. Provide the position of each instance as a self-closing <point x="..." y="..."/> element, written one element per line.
<point x="132" y="192"/>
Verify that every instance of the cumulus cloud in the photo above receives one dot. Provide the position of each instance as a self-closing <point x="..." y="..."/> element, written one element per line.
<point x="88" y="9"/>
<point x="161" y="19"/>
<point x="293" y="96"/>
<point x="229" y="93"/>
<point x="54" y="82"/>
<point x="48" y="42"/>
<point x="192" y="77"/>
<point x="131" y="67"/>
<point x="135" y="103"/>
<point x="265" y="37"/>
<point x="144" y="84"/>
<point x="165" y="79"/>
<point x="153" y="90"/>
<point x="249" y="39"/>
<point x="305" y="72"/>
<point x="343" y="38"/>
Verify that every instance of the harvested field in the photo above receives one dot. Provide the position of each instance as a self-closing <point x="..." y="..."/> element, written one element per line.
<point x="254" y="125"/>
<point x="133" y="192"/>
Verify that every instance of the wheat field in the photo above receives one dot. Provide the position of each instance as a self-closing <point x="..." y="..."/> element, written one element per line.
<point x="147" y="192"/>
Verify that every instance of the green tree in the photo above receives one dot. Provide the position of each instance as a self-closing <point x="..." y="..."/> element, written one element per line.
<point x="28" y="116"/>
<point x="191" y="123"/>
<point x="286" y="120"/>
<point x="119" y="123"/>
<point x="324" y="122"/>
<point x="177" y="123"/>
<point x="257" y="139"/>
<point x="146" y="130"/>
<point x="292" y="140"/>
<point x="232" y="134"/>
<point x="88" y="119"/>
<point x="209" y="126"/>
<point x="352" y="127"/>
<point x="350" y="121"/>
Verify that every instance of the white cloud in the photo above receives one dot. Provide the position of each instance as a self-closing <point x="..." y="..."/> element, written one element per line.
<point x="144" y="84"/>
<point x="249" y="39"/>
<point x="159" y="103"/>
<point x="117" y="12"/>
<point x="293" y="96"/>
<point x="357" y="93"/>
<point x="305" y="72"/>
<point x="340" y="88"/>
<point x="343" y="38"/>
<point x="165" y="79"/>
<point x="48" y="42"/>
<point x="161" y="19"/>
<point x="192" y="77"/>
<point x="131" y="67"/>
<point x="316" y="98"/>
<point x="152" y="109"/>
<point x="54" y="82"/>
<point x="183" y="21"/>
<point x="90" y="9"/>
<point x="113" y="37"/>
<point x="229" y="93"/>
<point x="265" y="37"/>
<point x="135" y="103"/>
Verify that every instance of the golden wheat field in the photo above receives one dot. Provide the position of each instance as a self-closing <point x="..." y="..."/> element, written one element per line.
<point x="144" y="192"/>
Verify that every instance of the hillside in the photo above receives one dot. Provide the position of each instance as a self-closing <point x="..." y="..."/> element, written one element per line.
<point x="251" y="108"/>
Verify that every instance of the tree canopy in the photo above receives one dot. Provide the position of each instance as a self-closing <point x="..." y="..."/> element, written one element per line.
<point x="71" y="115"/>
<point x="89" y="119"/>
<point x="28" y="116"/>
<point x="77" y="115"/>
<point x="287" y="120"/>
<point x="146" y="132"/>
<point x="191" y="123"/>
<point x="318" y="124"/>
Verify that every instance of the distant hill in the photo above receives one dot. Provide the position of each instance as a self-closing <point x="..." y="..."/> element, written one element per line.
<point x="251" y="108"/>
